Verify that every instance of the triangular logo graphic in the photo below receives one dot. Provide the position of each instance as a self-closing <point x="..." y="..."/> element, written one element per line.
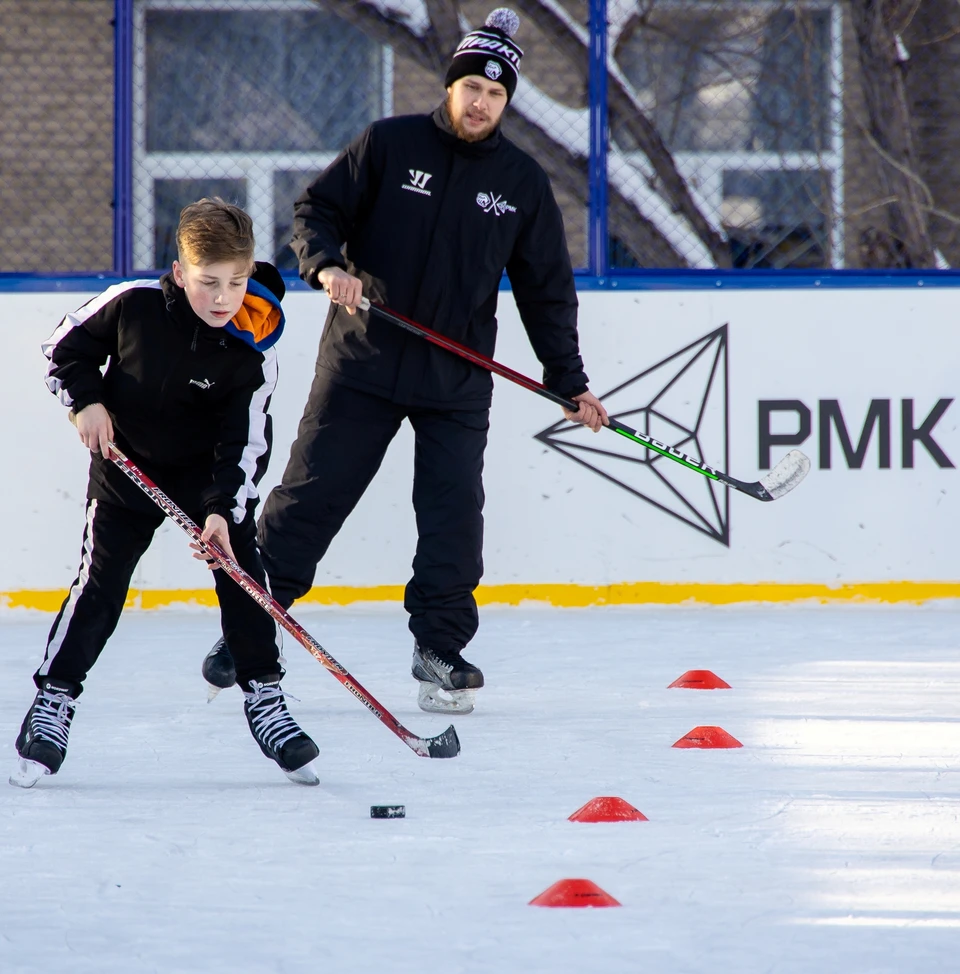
<point x="682" y="401"/>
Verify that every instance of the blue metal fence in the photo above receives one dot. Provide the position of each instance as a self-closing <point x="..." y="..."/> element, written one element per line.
<point x="123" y="139"/>
<point x="687" y="140"/>
<point x="598" y="250"/>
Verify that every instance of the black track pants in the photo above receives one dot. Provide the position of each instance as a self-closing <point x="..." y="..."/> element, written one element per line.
<point x="343" y="436"/>
<point x="114" y="540"/>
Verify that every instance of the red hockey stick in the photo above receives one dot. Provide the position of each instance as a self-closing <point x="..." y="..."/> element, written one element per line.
<point x="445" y="745"/>
<point x="791" y="469"/>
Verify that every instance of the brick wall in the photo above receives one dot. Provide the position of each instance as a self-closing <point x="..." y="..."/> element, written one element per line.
<point x="56" y="135"/>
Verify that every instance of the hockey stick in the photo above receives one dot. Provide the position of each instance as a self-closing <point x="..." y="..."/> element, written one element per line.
<point x="445" y="745"/>
<point x="791" y="469"/>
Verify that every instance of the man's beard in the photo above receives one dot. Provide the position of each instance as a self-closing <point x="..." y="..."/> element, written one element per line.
<point x="461" y="132"/>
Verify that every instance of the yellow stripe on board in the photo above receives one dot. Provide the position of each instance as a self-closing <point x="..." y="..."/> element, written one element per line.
<point x="625" y="593"/>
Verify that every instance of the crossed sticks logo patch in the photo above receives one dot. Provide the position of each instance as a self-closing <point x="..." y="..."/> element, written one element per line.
<point x="491" y="203"/>
<point x="681" y="401"/>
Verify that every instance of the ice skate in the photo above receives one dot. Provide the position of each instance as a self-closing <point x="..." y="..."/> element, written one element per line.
<point x="42" y="742"/>
<point x="218" y="669"/>
<point x="278" y="734"/>
<point x="448" y="683"/>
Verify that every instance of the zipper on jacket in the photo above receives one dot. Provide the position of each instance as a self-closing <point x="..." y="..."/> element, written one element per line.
<point x="196" y="333"/>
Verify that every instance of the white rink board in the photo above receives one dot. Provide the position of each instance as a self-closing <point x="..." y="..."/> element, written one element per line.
<point x="551" y="520"/>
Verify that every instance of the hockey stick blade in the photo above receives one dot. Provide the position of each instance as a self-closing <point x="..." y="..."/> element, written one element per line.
<point x="785" y="475"/>
<point x="782" y="479"/>
<point x="445" y="745"/>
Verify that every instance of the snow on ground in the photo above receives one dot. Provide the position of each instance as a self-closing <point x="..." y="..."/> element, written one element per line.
<point x="829" y="842"/>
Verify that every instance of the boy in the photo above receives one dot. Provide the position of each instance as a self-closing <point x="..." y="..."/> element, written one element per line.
<point x="185" y="396"/>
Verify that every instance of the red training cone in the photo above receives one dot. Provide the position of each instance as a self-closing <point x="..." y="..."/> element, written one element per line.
<point x="699" y="680"/>
<point x="608" y="810"/>
<point x="574" y="892"/>
<point x="708" y="737"/>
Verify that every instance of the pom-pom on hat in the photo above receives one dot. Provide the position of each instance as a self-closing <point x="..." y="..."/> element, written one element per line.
<point x="490" y="52"/>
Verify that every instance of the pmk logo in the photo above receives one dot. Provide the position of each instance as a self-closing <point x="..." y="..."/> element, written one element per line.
<point x="492" y="70"/>
<point x="794" y="422"/>
<point x="682" y="401"/>
<point x="418" y="182"/>
<point x="491" y="203"/>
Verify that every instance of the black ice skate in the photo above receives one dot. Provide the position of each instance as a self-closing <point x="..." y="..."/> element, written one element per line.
<point x="218" y="669"/>
<point x="277" y="733"/>
<point x="42" y="743"/>
<point x="448" y="683"/>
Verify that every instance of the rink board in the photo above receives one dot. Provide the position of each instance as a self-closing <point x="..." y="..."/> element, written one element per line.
<point x="862" y="380"/>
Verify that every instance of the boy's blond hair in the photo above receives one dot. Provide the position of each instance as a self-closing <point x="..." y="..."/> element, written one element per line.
<point x="213" y="231"/>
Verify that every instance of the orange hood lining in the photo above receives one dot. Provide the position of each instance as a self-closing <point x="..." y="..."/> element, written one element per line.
<point x="257" y="316"/>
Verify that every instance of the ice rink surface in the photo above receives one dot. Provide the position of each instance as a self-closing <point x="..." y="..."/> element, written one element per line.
<point x="829" y="843"/>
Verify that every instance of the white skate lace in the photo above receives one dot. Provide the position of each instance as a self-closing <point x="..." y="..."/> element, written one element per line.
<point x="438" y="662"/>
<point x="51" y="720"/>
<point x="271" y="720"/>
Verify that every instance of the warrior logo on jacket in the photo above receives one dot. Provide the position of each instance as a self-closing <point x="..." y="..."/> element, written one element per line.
<point x="418" y="182"/>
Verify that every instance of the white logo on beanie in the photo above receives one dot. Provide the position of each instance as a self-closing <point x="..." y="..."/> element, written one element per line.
<point x="492" y="70"/>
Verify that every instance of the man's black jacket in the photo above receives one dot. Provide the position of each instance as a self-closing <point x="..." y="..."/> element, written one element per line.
<point x="430" y="222"/>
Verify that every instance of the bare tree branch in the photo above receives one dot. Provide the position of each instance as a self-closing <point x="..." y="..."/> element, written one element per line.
<point x="367" y="17"/>
<point x="445" y="25"/>
<point x="889" y="127"/>
<point x="626" y="114"/>
<point x="900" y="13"/>
<point x="569" y="172"/>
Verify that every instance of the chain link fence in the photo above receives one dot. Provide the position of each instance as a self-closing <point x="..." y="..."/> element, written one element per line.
<point x="743" y="102"/>
<point x="816" y="134"/>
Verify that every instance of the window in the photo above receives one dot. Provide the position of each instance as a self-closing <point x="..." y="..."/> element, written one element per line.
<point x="747" y="99"/>
<point x="248" y="100"/>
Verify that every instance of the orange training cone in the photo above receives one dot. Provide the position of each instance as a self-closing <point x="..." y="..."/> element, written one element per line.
<point x="699" y="680"/>
<point x="708" y="737"/>
<point x="574" y="892"/>
<point x="608" y="810"/>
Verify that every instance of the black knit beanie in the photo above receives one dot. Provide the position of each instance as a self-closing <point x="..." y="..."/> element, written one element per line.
<point x="490" y="52"/>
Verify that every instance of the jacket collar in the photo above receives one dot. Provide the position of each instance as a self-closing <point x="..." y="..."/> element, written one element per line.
<point x="181" y="312"/>
<point x="177" y="303"/>
<point x="441" y="119"/>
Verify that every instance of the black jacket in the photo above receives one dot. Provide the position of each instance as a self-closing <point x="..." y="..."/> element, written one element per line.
<point x="188" y="402"/>
<point x="430" y="222"/>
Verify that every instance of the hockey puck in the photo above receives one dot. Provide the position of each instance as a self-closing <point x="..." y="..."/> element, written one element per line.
<point x="387" y="811"/>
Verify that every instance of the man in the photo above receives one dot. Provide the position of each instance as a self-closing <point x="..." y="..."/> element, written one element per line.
<point x="422" y="213"/>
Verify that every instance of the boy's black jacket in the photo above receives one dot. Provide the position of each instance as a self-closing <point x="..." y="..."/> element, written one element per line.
<point x="189" y="402"/>
<point x="430" y="223"/>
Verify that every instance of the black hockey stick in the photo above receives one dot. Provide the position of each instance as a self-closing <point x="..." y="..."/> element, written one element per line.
<point x="779" y="481"/>
<point x="445" y="745"/>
